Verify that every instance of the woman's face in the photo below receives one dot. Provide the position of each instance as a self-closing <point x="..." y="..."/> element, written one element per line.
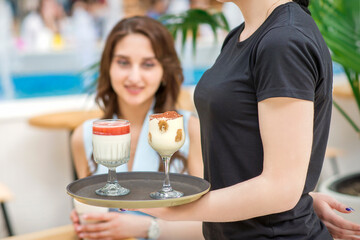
<point x="135" y="72"/>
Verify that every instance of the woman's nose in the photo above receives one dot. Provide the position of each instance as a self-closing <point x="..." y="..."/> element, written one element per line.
<point x="135" y="74"/>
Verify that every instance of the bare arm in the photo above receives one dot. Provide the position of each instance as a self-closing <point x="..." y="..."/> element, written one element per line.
<point x="286" y="127"/>
<point x="78" y="153"/>
<point x="118" y="226"/>
<point x="195" y="162"/>
<point x="180" y="230"/>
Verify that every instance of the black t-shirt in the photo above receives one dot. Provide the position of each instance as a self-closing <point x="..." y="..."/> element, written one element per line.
<point x="285" y="57"/>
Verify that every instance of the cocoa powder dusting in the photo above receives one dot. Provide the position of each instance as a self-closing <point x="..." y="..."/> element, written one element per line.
<point x="178" y="136"/>
<point x="168" y="115"/>
<point x="163" y="126"/>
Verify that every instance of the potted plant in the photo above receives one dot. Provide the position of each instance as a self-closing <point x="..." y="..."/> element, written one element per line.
<point x="190" y="20"/>
<point x="339" y="23"/>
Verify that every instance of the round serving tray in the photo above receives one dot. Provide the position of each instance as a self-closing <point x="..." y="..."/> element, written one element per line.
<point x="141" y="184"/>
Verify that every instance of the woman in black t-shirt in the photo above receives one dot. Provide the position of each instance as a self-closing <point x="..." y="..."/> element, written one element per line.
<point x="264" y="109"/>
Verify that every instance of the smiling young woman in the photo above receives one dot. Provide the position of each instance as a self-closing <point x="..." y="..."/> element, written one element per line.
<point x="140" y="74"/>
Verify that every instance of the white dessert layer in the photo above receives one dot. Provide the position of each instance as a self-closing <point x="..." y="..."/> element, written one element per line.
<point x="111" y="148"/>
<point x="165" y="140"/>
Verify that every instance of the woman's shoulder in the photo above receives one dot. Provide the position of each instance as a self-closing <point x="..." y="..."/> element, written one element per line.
<point x="88" y="123"/>
<point x="289" y="42"/>
<point x="191" y="121"/>
<point x="185" y="113"/>
<point x="289" y="26"/>
<point x="87" y="128"/>
<point x="232" y="34"/>
<point x="194" y="123"/>
<point x="188" y="116"/>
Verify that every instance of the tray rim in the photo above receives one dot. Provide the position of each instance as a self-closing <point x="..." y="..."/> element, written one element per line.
<point x="111" y="203"/>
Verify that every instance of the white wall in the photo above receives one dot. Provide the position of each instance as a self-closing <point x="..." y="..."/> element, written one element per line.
<point x="35" y="163"/>
<point x="342" y="136"/>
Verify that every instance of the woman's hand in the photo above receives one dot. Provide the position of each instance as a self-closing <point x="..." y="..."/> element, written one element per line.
<point x="75" y="219"/>
<point x="111" y="225"/>
<point x="337" y="226"/>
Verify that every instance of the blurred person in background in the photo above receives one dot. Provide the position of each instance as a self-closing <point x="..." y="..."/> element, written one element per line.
<point x="85" y="32"/>
<point x="178" y="6"/>
<point x="157" y="8"/>
<point x="202" y="4"/>
<point x="83" y="19"/>
<point x="99" y="15"/>
<point x="114" y="12"/>
<point x="41" y="28"/>
<point x="98" y="10"/>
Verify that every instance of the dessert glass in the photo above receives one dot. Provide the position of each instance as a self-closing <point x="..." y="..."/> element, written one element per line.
<point x="166" y="136"/>
<point x="111" y="148"/>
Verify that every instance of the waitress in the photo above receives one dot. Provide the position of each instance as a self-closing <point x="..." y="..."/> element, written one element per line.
<point x="264" y="109"/>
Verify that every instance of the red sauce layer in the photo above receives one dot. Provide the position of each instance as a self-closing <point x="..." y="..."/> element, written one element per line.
<point x="168" y="115"/>
<point x="110" y="129"/>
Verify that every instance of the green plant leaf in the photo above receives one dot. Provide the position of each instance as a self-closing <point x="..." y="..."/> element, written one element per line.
<point x="190" y="20"/>
<point x="339" y="23"/>
<point x="194" y="37"/>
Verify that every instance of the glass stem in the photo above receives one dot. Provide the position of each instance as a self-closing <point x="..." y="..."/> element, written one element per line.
<point x="112" y="176"/>
<point x="166" y="185"/>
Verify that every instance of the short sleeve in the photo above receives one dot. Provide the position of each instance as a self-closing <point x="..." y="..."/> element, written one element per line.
<point x="285" y="65"/>
<point x="87" y="139"/>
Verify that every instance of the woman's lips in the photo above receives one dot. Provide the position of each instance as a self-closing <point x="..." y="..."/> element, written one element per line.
<point x="134" y="90"/>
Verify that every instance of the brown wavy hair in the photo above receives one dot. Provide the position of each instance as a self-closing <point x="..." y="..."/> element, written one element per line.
<point x="163" y="46"/>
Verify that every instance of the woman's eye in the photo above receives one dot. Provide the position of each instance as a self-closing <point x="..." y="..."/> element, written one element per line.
<point x="148" y="64"/>
<point x="123" y="63"/>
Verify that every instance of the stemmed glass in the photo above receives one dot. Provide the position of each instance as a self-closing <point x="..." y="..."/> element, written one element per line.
<point x="111" y="148"/>
<point x="166" y="136"/>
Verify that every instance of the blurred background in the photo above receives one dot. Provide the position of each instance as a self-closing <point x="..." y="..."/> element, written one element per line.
<point x="45" y="46"/>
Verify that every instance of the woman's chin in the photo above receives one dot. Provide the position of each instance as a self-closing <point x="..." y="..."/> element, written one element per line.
<point x="137" y="102"/>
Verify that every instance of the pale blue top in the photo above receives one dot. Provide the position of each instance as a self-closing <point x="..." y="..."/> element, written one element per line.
<point x="146" y="158"/>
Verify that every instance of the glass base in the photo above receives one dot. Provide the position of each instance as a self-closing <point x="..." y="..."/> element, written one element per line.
<point x="165" y="195"/>
<point x="112" y="189"/>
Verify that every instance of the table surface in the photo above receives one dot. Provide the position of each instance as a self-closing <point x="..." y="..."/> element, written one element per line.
<point x="58" y="233"/>
<point x="64" y="120"/>
<point x="343" y="90"/>
<point x="71" y="119"/>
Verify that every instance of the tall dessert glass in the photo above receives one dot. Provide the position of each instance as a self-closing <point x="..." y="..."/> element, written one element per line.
<point x="166" y="136"/>
<point x="111" y="148"/>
